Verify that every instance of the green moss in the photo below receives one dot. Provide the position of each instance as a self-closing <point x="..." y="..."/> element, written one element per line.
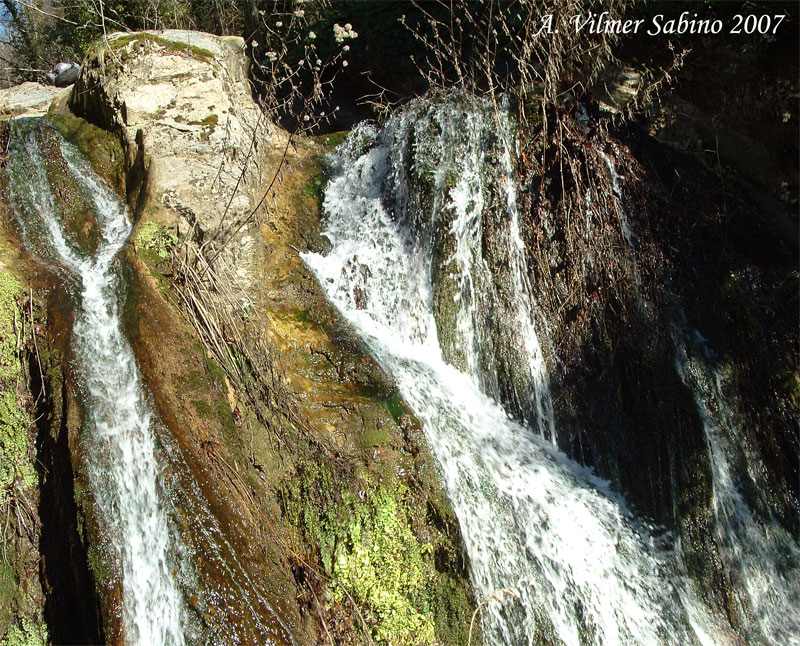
<point x="28" y="634"/>
<point x="14" y="421"/>
<point x="100" y="556"/>
<point x="139" y="39"/>
<point x="72" y="202"/>
<point x="192" y="380"/>
<point x="395" y="407"/>
<point x="332" y="140"/>
<point x="202" y="407"/>
<point x="373" y="436"/>
<point x="14" y="443"/>
<point x="153" y="244"/>
<point x="209" y="122"/>
<point x="10" y="289"/>
<point x="387" y="568"/>
<point x="100" y="147"/>
<point x="315" y="185"/>
<point x="215" y="370"/>
<point x="366" y="543"/>
<point x="151" y="236"/>
<point x="8" y="589"/>
<point x="224" y="416"/>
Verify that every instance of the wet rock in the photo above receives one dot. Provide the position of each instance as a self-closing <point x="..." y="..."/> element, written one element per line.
<point x="180" y="103"/>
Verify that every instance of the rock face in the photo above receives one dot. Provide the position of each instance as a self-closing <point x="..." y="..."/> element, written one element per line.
<point x="181" y="101"/>
<point x="28" y="100"/>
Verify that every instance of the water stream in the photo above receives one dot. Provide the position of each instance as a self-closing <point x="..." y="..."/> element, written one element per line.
<point x="118" y="436"/>
<point x="564" y="556"/>
<point x="760" y="558"/>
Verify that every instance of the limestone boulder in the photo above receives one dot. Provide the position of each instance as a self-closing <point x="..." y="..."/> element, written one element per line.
<point x="182" y="104"/>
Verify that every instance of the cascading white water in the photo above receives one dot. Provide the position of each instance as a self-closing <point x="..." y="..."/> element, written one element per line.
<point x="576" y="566"/>
<point x="448" y="149"/>
<point x="627" y="233"/>
<point x="118" y="435"/>
<point x="539" y="394"/>
<point x="761" y="558"/>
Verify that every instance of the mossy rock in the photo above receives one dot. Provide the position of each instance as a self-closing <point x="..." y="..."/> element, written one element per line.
<point x="132" y="42"/>
<point x="14" y="420"/>
<point x="26" y="633"/>
<point x="102" y="148"/>
<point x="378" y="554"/>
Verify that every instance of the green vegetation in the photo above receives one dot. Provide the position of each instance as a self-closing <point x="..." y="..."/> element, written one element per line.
<point x="101" y="148"/>
<point x="140" y="39"/>
<point x="73" y="203"/>
<point x="209" y="124"/>
<point x="14" y="420"/>
<point x="385" y="565"/>
<point x="29" y="634"/>
<point x="395" y="407"/>
<point x="157" y="239"/>
<point x="315" y="185"/>
<point x="19" y="621"/>
<point x="369" y="550"/>
<point x="332" y="140"/>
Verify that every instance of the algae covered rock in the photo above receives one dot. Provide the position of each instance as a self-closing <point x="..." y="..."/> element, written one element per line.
<point x="21" y="598"/>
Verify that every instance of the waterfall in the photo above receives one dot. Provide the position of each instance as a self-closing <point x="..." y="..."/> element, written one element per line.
<point x="761" y="559"/>
<point x="118" y="438"/>
<point x="462" y="226"/>
<point x="564" y="559"/>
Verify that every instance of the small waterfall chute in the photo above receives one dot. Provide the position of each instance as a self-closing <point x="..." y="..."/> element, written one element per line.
<point x="120" y="444"/>
<point x="759" y="557"/>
